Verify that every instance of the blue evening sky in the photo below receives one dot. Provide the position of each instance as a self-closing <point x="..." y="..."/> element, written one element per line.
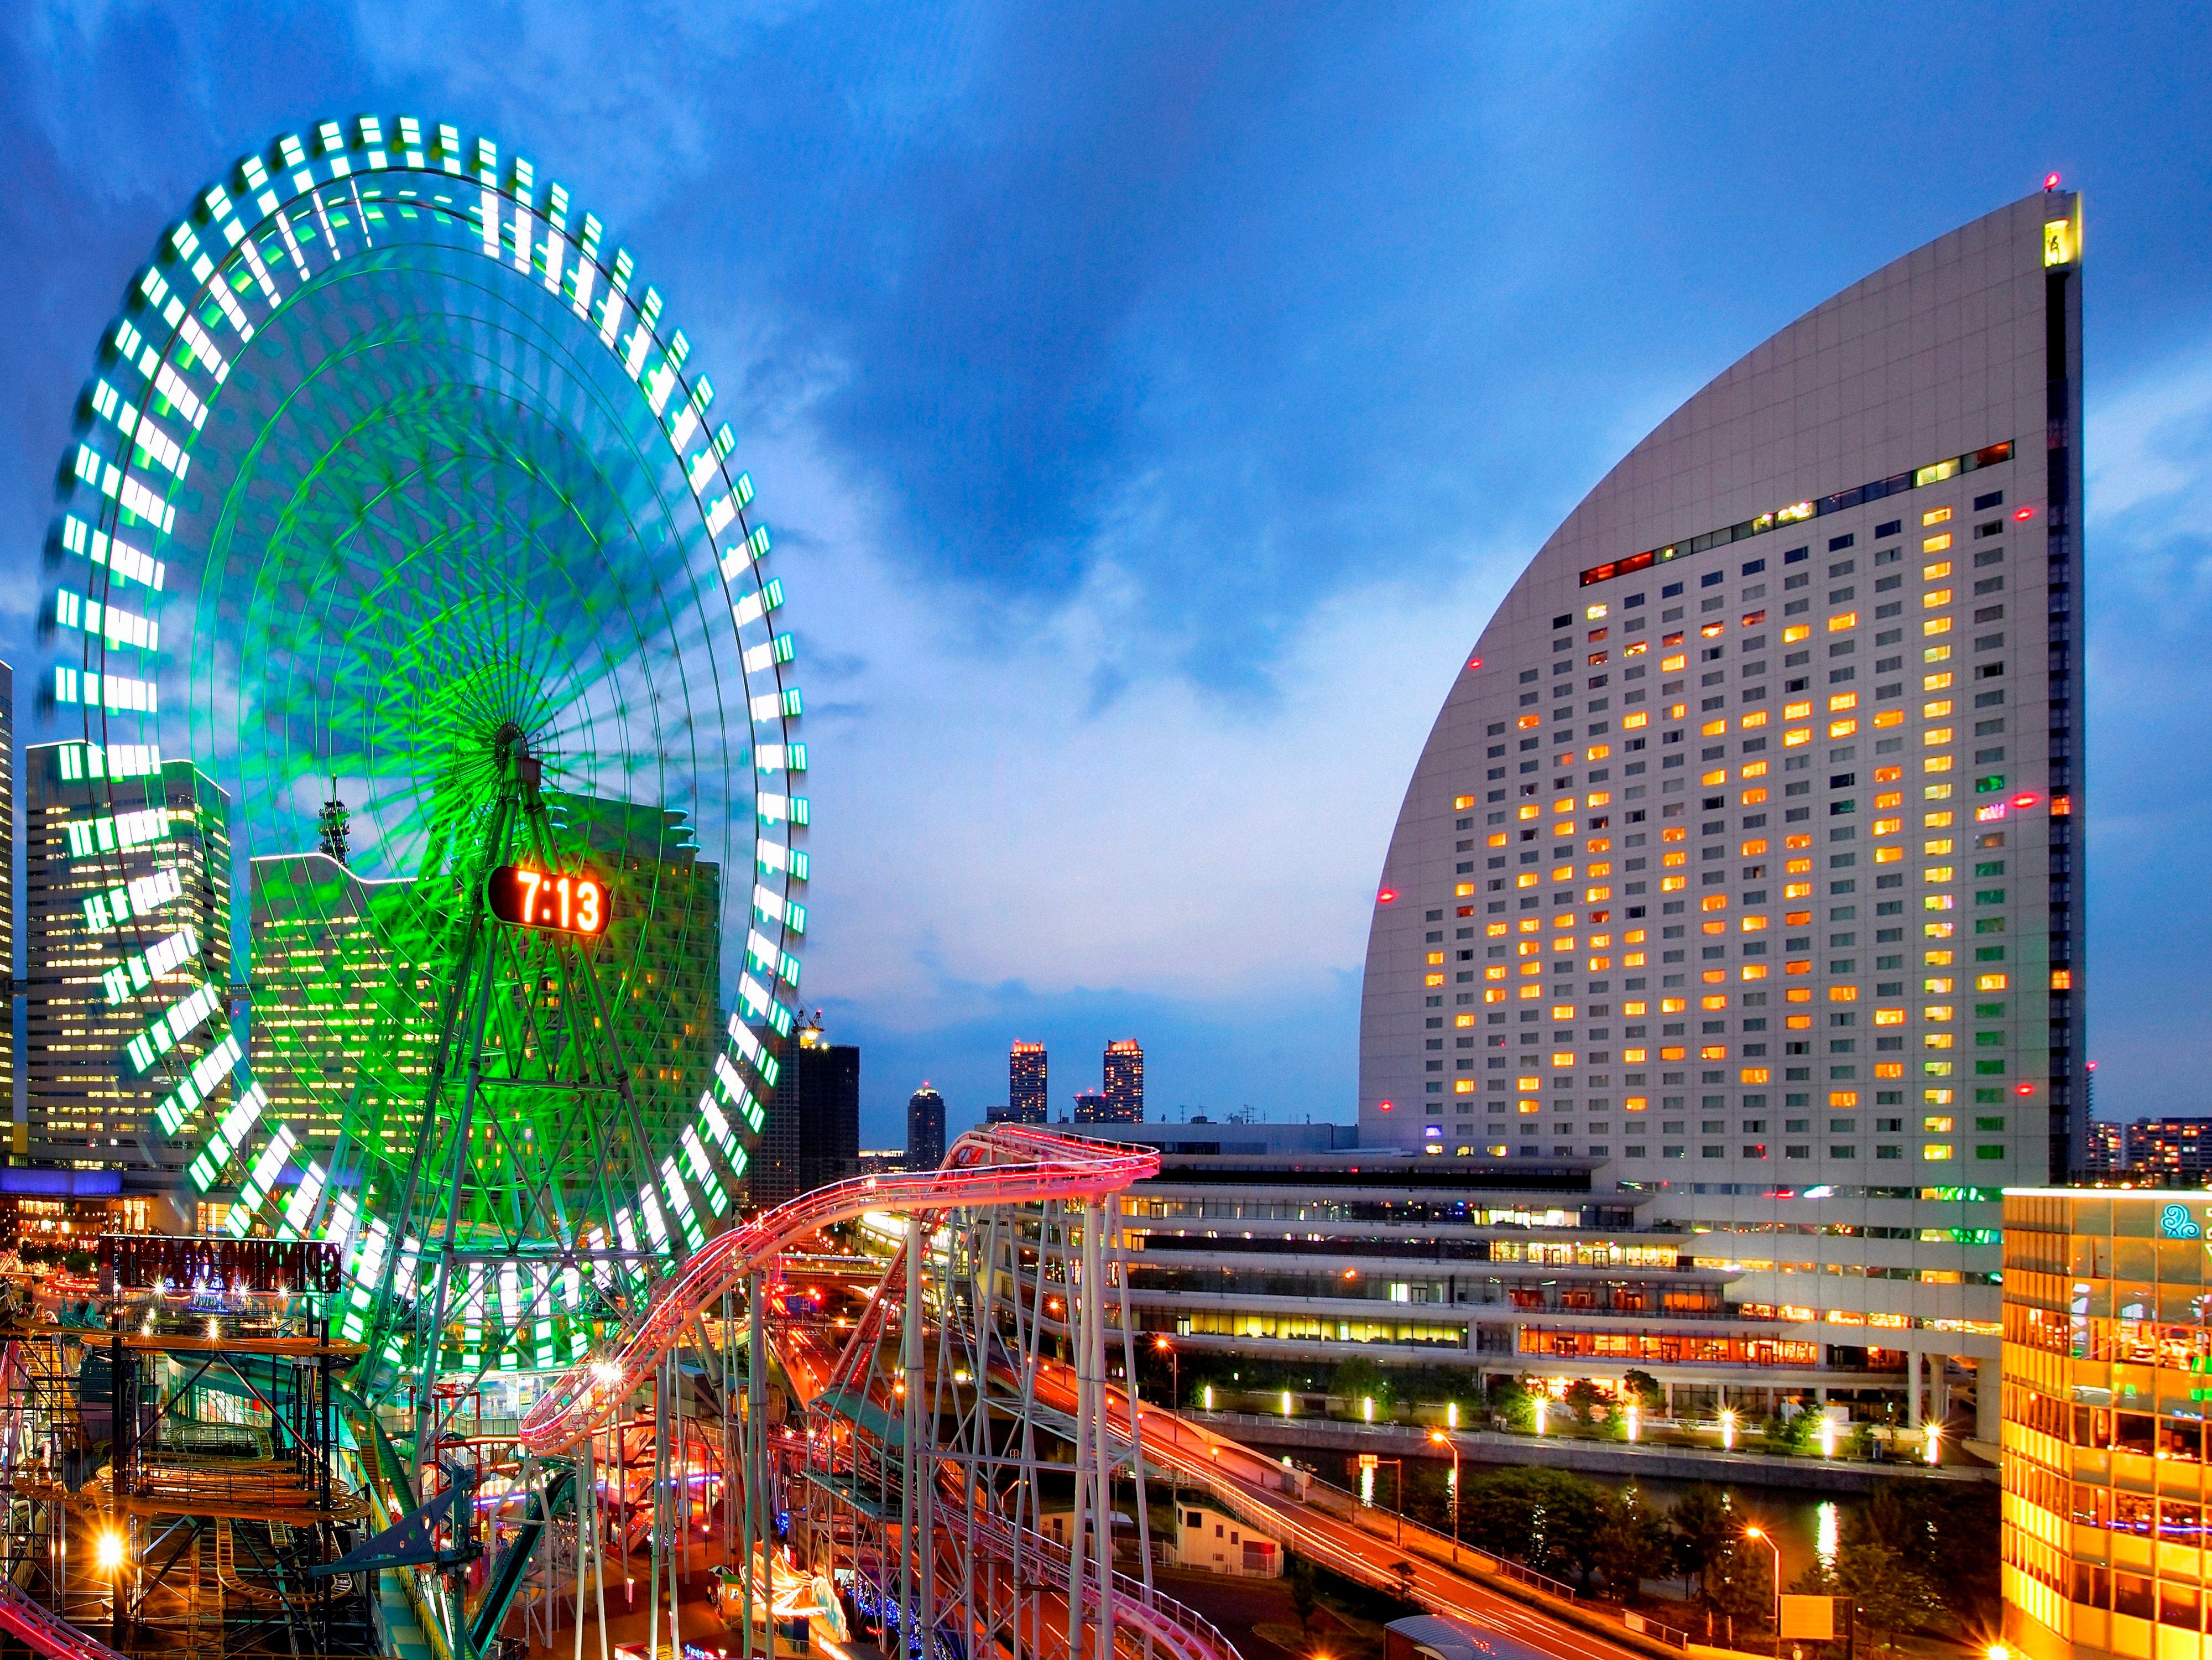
<point x="1152" y="402"/>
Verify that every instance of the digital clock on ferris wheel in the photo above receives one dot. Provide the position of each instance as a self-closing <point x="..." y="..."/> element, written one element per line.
<point x="567" y="902"/>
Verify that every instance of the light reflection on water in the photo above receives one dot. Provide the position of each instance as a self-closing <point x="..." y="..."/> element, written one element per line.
<point x="1825" y="1529"/>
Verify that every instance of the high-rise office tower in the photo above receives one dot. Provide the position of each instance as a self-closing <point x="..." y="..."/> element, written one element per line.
<point x="1125" y="1082"/>
<point x="339" y="967"/>
<point x="813" y="1132"/>
<point x="127" y="953"/>
<point x="1025" y="1084"/>
<point x="925" y="1128"/>
<point x="1745" y="855"/>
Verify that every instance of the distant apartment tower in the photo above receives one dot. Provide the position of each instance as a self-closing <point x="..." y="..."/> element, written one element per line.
<point x="813" y="1132"/>
<point x="2103" y="1148"/>
<point x="2171" y="1152"/>
<point x="925" y="1128"/>
<point x="1091" y="1107"/>
<point x="1025" y="1084"/>
<point x="127" y="916"/>
<point x="1125" y="1082"/>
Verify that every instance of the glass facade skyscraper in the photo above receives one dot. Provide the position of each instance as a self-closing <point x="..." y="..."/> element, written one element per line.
<point x="127" y="952"/>
<point x="1744" y="858"/>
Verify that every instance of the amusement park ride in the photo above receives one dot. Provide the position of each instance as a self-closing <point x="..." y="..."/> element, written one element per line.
<point x="399" y="509"/>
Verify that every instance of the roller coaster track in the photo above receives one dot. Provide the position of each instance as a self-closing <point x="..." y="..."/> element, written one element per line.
<point x="999" y="1164"/>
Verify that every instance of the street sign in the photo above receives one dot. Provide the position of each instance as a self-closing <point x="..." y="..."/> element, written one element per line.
<point x="1813" y="1618"/>
<point x="1367" y="1461"/>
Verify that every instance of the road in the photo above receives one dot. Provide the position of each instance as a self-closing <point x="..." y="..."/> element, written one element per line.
<point x="1199" y="1455"/>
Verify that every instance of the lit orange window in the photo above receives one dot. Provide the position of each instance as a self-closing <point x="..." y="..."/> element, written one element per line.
<point x="1936" y="625"/>
<point x="1712" y="728"/>
<point x="1673" y="859"/>
<point x="1991" y="983"/>
<point x="1843" y="699"/>
<point x="1936" y="544"/>
<point x="1713" y="630"/>
<point x="1669" y="665"/>
<point x="1888" y="826"/>
<point x="1842" y="729"/>
<point x="1890" y="718"/>
<point x="1599" y="798"/>
<point x="1636" y="649"/>
<point x="1633" y="722"/>
<point x="1567" y="827"/>
<point x="1843" y="994"/>
<point x="1600" y="964"/>
<point x="1935" y="682"/>
<point x="1527" y="721"/>
<point x="1497" y="839"/>
<point x="1887" y="775"/>
<point x="1797" y="711"/>
<point x="1798" y="866"/>
<point x="1934" y="516"/>
<point x="1795" y="632"/>
<point x="1754" y="1074"/>
<point x="1462" y="1020"/>
<point x="1935" y="599"/>
<point x="1717" y="776"/>
<point x="1563" y="1058"/>
<point x="1563" y="1011"/>
<point x="1495" y="973"/>
<point x="1889" y="799"/>
<point x="1888" y="855"/>
<point x="1634" y="1011"/>
<point x="1752" y="849"/>
<point x="1842" y="620"/>
<point x="1751" y="798"/>
<point x="2061" y="979"/>
<point x="1935" y="708"/>
<point x="1889" y="1017"/>
<point x="1673" y="833"/>
<point x="1713" y="1052"/>
<point x="1434" y="980"/>
<point x="1756" y="718"/>
<point x="1936" y="572"/>
<point x="1633" y="959"/>
<point x="1796" y="889"/>
<point x="1714" y="976"/>
<point x="1802" y="965"/>
<point x="1752" y="924"/>
<point x="1713" y="1001"/>
<point x="1935" y="735"/>
<point x="1597" y="752"/>
<point x="1673" y="1054"/>
<point x="1672" y="883"/>
<point x="1671" y="1005"/>
<point x="1674" y="711"/>
<point x="1528" y="947"/>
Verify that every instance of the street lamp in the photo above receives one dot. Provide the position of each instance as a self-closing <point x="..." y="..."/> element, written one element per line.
<point x="1161" y="1346"/>
<point x="1443" y="1440"/>
<point x="1727" y="1430"/>
<point x="1759" y="1534"/>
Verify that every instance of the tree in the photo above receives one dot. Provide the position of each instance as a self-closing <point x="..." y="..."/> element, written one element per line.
<point x="1704" y="1522"/>
<point x="1646" y="1388"/>
<point x="1548" y="1519"/>
<point x="1634" y="1544"/>
<point x="1305" y="1596"/>
<point x="1582" y="1399"/>
<point x="1738" y="1582"/>
<point x="1357" y="1376"/>
<point x="1511" y="1402"/>
<point x="1890" y="1594"/>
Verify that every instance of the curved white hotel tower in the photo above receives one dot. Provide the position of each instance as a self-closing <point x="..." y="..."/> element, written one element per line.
<point x="1742" y="859"/>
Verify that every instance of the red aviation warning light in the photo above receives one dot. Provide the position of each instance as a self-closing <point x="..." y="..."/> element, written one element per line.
<point x="1387" y="895"/>
<point x="2051" y="181"/>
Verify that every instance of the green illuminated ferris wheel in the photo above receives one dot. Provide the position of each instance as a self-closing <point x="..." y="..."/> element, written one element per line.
<point x="401" y="518"/>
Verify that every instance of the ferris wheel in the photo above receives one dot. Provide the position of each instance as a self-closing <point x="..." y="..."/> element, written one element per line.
<point x="410" y="629"/>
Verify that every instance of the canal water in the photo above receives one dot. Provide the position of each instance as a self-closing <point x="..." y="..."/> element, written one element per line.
<point x="1806" y="1527"/>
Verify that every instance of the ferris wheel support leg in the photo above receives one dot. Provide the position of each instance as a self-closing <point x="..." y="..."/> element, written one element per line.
<point x="1094" y="1421"/>
<point x="756" y="1416"/>
<point x="920" y="1439"/>
<point x="676" y="1504"/>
